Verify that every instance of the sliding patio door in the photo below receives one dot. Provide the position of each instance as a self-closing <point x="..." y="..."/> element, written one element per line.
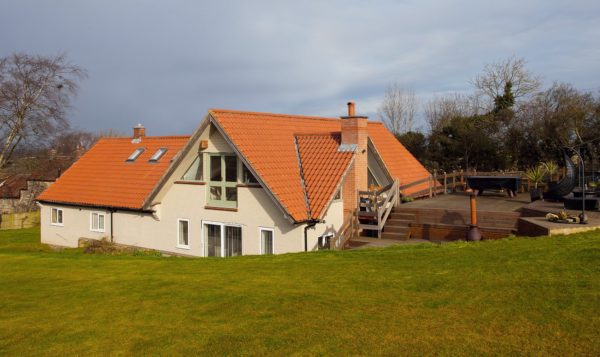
<point x="222" y="240"/>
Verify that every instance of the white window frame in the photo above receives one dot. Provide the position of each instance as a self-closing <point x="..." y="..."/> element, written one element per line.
<point x="179" y="245"/>
<point x="99" y="230"/>
<point x="260" y="229"/>
<point x="62" y="215"/>
<point x="222" y="224"/>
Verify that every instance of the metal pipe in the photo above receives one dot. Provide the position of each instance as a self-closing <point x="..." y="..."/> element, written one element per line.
<point x="310" y="224"/>
<point x="111" y="225"/>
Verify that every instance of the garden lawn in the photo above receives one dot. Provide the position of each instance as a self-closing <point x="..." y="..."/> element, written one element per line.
<point x="512" y="296"/>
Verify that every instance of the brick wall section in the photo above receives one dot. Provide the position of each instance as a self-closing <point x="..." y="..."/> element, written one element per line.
<point x="354" y="131"/>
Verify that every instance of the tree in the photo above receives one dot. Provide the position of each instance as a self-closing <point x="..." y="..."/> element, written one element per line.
<point x="397" y="111"/>
<point x="441" y="109"/>
<point x="415" y="142"/>
<point x="492" y="82"/>
<point x="35" y="95"/>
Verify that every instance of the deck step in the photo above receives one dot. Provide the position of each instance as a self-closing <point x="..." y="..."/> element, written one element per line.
<point x="394" y="235"/>
<point x="396" y="229"/>
<point x="398" y="222"/>
<point x="402" y="215"/>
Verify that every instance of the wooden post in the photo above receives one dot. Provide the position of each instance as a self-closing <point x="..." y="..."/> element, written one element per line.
<point x="435" y="182"/>
<point x="429" y="181"/>
<point x="453" y="180"/>
<point x="397" y="192"/>
<point x="445" y="183"/>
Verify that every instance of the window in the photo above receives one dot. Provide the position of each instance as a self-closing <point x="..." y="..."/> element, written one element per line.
<point x="222" y="180"/>
<point x="97" y="222"/>
<point x="221" y="240"/>
<point x="57" y="217"/>
<point x="338" y="195"/>
<point x="158" y="154"/>
<point x="247" y="176"/>
<point x="183" y="226"/>
<point x="371" y="179"/>
<point x="266" y="241"/>
<point x="194" y="172"/>
<point x="135" y="154"/>
<point x="323" y="241"/>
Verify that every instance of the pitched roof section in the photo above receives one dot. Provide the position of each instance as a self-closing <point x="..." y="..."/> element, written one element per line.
<point x="102" y="177"/>
<point x="267" y="142"/>
<point x="323" y="167"/>
<point x="398" y="160"/>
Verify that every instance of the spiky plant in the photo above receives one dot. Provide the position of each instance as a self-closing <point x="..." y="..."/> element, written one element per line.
<point x="536" y="175"/>
<point x="551" y="168"/>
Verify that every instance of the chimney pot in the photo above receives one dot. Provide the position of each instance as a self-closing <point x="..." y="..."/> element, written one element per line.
<point x="351" y="111"/>
<point x="139" y="131"/>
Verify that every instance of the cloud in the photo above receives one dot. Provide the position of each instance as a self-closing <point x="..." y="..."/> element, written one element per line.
<point x="165" y="63"/>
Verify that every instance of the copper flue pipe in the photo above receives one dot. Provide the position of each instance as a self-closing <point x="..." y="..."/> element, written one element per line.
<point x="473" y="209"/>
<point x="351" y="111"/>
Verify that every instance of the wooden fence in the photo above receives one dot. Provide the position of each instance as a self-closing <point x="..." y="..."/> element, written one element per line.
<point x="348" y="230"/>
<point x="444" y="182"/>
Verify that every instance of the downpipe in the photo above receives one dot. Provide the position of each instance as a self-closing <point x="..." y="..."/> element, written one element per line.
<point x="310" y="224"/>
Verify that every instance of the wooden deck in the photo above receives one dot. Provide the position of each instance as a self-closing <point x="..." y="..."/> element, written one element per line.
<point x="447" y="217"/>
<point x="489" y="202"/>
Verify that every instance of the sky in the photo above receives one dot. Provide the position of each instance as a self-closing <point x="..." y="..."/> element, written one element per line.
<point x="165" y="63"/>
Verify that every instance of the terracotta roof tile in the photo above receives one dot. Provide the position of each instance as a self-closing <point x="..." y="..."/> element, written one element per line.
<point x="323" y="166"/>
<point x="398" y="160"/>
<point x="102" y="177"/>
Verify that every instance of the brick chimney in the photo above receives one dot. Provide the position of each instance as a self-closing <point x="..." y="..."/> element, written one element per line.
<point x="139" y="131"/>
<point x="354" y="134"/>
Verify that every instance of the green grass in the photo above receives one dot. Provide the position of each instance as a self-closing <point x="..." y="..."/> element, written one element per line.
<point x="513" y="296"/>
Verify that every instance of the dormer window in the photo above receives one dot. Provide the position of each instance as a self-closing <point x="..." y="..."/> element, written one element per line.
<point x="135" y="154"/>
<point x="158" y="154"/>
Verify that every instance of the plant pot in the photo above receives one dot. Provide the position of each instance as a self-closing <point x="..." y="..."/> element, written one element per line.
<point x="536" y="194"/>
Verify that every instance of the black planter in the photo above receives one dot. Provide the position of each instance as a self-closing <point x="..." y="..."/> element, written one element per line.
<point x="536" y="194"/>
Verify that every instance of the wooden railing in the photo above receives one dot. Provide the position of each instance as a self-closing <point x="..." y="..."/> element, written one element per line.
<point x="378" y="205"/>
<point x="348" y="230"/>
<point x="443" y="182"/>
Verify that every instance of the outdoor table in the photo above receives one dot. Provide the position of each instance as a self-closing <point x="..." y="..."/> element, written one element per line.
<point x="481" y="183"/>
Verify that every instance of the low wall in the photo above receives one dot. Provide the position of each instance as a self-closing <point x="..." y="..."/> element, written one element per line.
<point x="19" y="220"/>
<point x="432" y="231"/>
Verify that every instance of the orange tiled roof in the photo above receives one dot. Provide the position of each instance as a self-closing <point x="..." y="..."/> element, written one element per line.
<point x="322" y="167"/>
<point x="398" y="160"/>
<point x="102" y="177"/>
<point x="267" y="141"/>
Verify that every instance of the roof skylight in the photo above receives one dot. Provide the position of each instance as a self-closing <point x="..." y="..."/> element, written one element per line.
<point x="135" y="154"/>
<point x="158" y="154"/>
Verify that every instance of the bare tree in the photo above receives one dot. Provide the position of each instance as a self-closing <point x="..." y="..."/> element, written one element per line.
<point x="512" y="70"/>
<point x="441" y="109"/>
<point x="398" y="109"/>
<point x="35" y="94"/>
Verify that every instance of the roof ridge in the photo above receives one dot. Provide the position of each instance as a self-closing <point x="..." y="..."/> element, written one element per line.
<point x="331" y="133"/>
<point x="147" y="137"/>
<point x="291" y="116"/>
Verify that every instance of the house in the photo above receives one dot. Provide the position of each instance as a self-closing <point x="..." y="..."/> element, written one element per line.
<point x="242" y="183"/>
<point x="19" y="191"/>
